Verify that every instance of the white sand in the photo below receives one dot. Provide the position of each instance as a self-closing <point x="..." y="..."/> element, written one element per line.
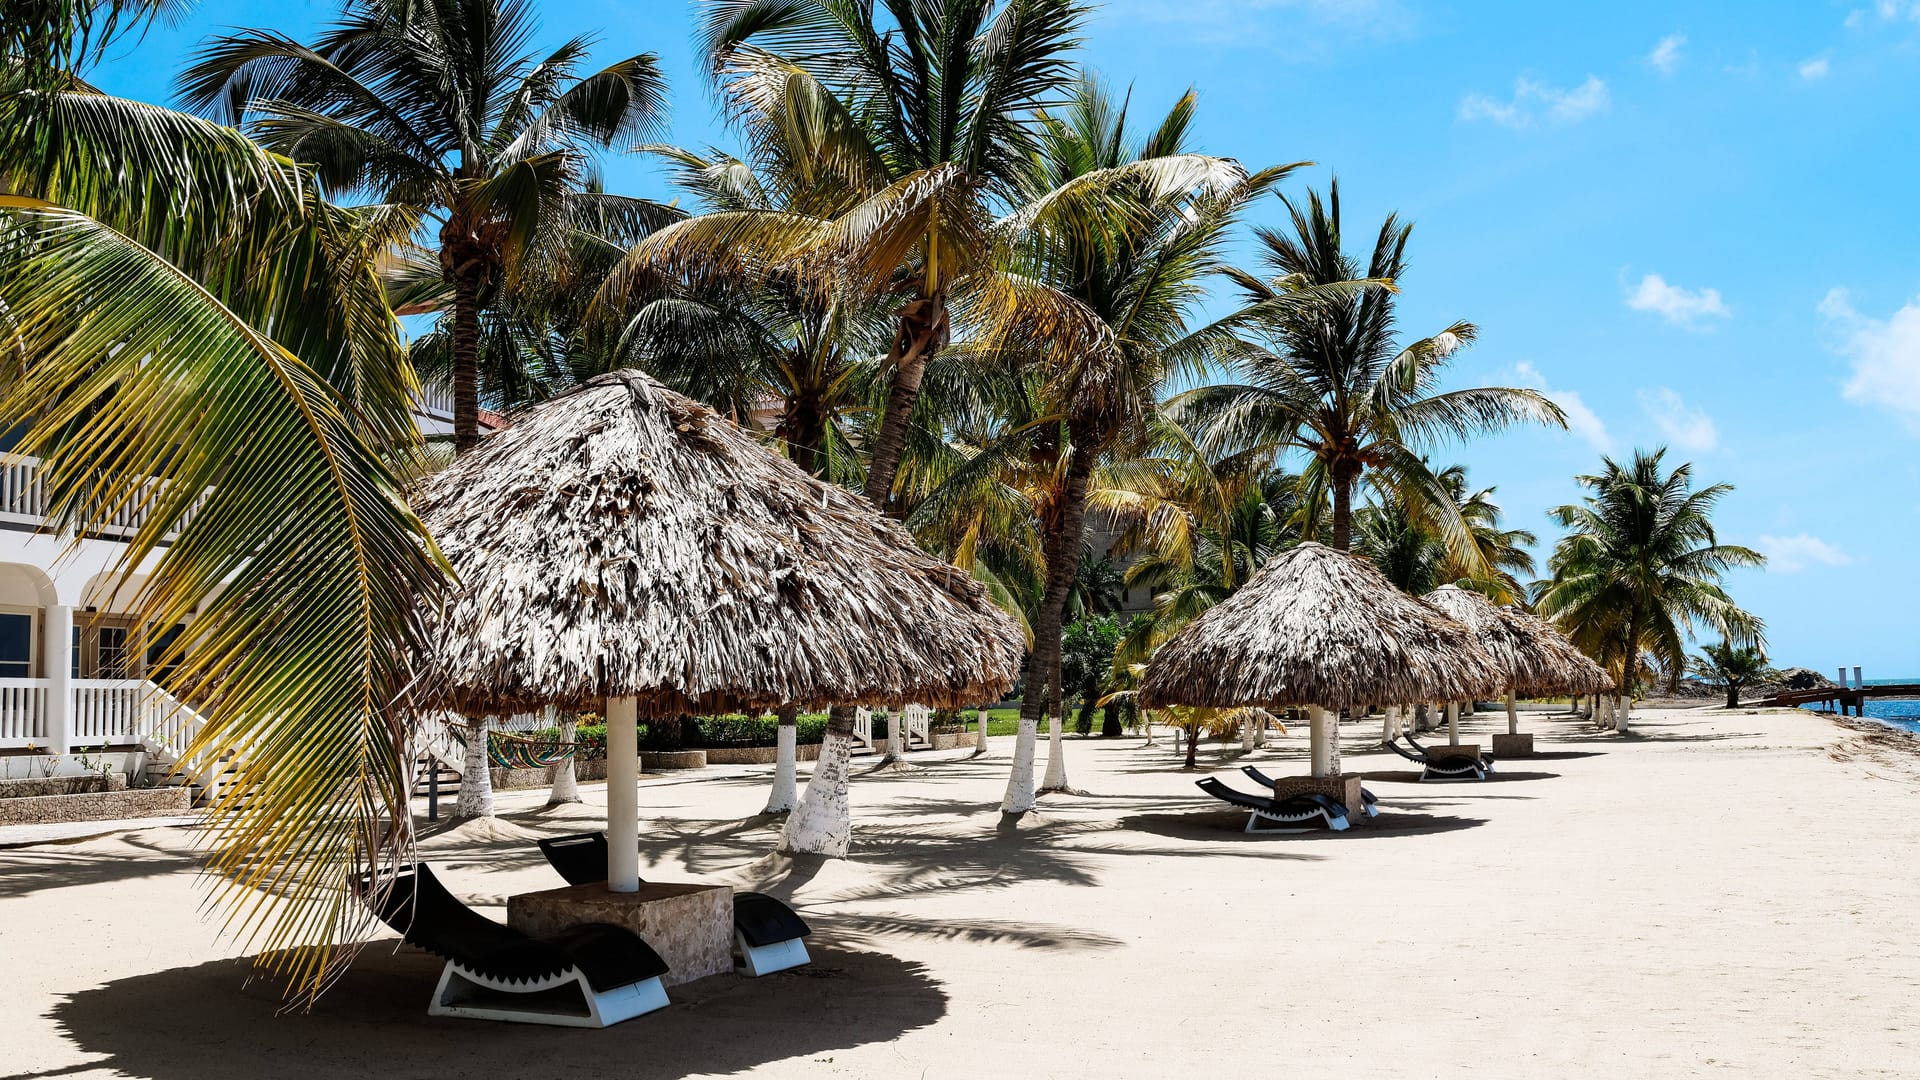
<point x="1723" y="894"/>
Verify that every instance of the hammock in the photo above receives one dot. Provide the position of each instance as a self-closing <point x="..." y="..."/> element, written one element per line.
<point x="508" y="751"/>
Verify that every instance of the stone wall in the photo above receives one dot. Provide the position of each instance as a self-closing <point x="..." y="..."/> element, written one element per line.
<point x="95" y="806"/>
<point x="62" y="785"/>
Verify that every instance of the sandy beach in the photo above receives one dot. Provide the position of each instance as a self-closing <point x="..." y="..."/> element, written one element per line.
<point x="1719" y="894"/>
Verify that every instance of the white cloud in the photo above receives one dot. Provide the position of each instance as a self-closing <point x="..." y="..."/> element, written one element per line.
<point x="1581" y="420"/>
<point x="1666" y="55"/>
<point x="1533" y="101"/>
<point x="1679" y="306"/>
<point x="1885" y="354"/>
<point x="1685" y="428"/>
<point x="1815" y="69"/>
<point x="1792" y="554"/>
<point x="1884" y="11"/>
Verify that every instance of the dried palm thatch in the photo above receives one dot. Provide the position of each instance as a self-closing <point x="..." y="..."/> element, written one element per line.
<point x="1319" y="627"/>
<point x="624" y="540"/>
<point x="1574" y="673"/>
<point x="1524" y="661"/>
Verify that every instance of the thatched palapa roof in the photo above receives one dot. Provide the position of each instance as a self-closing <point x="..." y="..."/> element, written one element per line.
<point x="1575" y="673"/>
<point x="1319" y="627"/>
<point x="1522" y="659"/>
<point x="625" y="540"/>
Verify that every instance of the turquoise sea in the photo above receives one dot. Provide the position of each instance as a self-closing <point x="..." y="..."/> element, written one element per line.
<point x="1902" y="713"/>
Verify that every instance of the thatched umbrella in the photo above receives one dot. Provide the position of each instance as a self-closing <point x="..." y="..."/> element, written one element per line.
<point x="623" y="547"/>
<point x="1523" y="659"/>
<point x="1574" y="674"/>
<point x="1322" y="629"/>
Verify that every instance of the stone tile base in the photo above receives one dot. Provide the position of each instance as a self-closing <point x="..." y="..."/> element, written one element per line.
<point x="1510" y="746"/>
<point x="1442" y="751"/>
<point x="690" y="926"/>
<point x="1344" y="789"/>
<point x="95" y="806"/>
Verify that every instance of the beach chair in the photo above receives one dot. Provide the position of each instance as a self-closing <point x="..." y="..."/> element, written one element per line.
<point x="1368" y="801"/>
<point x="767" y="934"/>
<point x="1442" y="768"/>
<point x="1289" y="815"/>
<point x="594" y="975"/>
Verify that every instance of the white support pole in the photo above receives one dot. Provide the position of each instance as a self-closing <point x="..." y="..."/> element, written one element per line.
<point x="1321" y="746"/>
<point x="980" y="735"/>
<point x="1453" y="723"/>
<point x="1513" y="717"/>
<point x="623" y="795"/>
<point x="57" y="661"/>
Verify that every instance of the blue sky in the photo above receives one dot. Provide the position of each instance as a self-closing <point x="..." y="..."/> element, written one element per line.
<point x="1693" y="224"/>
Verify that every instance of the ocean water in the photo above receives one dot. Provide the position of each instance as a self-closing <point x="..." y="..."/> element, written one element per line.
<point x="1902" y="713"/>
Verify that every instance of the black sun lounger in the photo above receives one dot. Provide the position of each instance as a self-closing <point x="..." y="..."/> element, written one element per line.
<point x="593" y="975"/>
<point x="1366" y="797"/>
<point x="1286" y="814"/>
<point x="766" y="933"/>
<point x="1443" y="768"/>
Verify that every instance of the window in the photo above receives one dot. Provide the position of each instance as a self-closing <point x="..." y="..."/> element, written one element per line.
<point x="16" y="645"/>
<point x="157" y="645"/>
<point x="110" y="656"/>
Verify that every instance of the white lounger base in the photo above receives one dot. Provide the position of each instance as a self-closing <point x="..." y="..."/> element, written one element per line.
<point x="1292" y="824"/>
<point x="564" y="1000"/>
<point x="758" y="960"/>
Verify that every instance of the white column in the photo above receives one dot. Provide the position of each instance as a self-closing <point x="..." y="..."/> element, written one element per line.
<point x="1513" y="717"/>
<point x="980" y="739"/>
<point x="1453" y="723"/>
<point x="1321" y="746"/>
<point x="623" y="795"/>
<point x="57" y="659"/>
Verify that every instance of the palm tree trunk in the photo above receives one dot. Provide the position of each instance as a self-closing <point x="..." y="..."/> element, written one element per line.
<point x="1044" y="661"/>
<point x="1342" y="509"/>
<point x="466" y="364"/>
<point x="476" y="782"/>
<point x="980" y="734"/>
<point x="823" y="822"/>
<point x="786" y="760"/>
<point x="1056" y="778"/>
<point x="566" y="782"/>
<point x="922" y="331"/>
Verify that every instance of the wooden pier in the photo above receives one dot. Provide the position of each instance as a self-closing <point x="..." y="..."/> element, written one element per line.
<point x="1844" y="698"/>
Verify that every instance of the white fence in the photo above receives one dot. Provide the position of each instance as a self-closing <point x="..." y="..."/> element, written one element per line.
<point x="23" y="498"/>
<point x="23" y="711"/>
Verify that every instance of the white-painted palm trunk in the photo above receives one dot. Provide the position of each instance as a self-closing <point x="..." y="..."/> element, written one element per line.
<point x="896" y="740"/>
<point x="1513" y="716"/>
<point x="1453" y="723"/>
<point x="1623" y="705"/>
<point x="980" y="734"/>
<point x="1056" y="778"/>
<point x="1248" y="739"/>
<point x="566" y="782"/>
<point x="623" y="794"/>
<point x="1020" y="792"/>
<point x="476" y="781"/>
<point x="1389" y="723"/>
<point x="823" y="822"/>
<point x="1603" y="710"/>
<point x="786" y="770"/>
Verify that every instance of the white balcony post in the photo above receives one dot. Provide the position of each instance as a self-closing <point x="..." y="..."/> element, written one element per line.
<point x="57" y="657"/>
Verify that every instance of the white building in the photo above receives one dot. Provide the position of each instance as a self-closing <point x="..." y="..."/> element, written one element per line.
<point x="78" y="682"/>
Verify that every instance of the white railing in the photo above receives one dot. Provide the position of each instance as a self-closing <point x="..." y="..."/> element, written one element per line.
<point x="108" y="711"/>
<point x="23" y="712"/>
<point x="436" y="399"/>
<point x="863" y="725"/>
<point x="919" y="720"/>
<point x="23" y="498"/>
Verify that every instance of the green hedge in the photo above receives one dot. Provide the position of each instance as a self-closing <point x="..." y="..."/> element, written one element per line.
<point x="732" y="730"/>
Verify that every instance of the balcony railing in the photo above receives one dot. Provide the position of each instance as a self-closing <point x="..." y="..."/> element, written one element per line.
<point x="23" y="499"/>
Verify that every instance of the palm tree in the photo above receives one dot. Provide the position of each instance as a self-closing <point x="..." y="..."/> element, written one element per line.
<point x="436" y="106"/>
<point x="1335" y="384"/>
<point x="1640" y="566"/>
<point x="1730" y="667"/>
<point x="1136" y="261"/>
<point x="925" y="106"/>
<point x="182" y="305"/>
<point x="1403" y="540"/>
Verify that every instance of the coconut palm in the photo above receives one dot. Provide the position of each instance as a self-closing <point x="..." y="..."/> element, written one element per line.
<point x="1640" y="566"/>
<point x="181" y="305"/>
<point x="924" y="111"/>
<point x="1332" y="381"/>
<point x="1730" y="667"/>
<point x="1405" y="542"/>
<point x="438" y="105"/>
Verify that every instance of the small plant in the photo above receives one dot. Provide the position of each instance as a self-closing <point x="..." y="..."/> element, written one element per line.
<point x="44" y="762"/>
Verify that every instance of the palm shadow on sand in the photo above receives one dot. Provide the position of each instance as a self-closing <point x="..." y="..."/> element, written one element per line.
<point x="206" y="1023"/>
